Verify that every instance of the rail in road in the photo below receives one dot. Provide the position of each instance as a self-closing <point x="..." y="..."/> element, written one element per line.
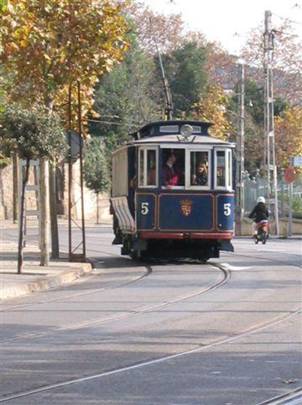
<point x="227" y="319"/>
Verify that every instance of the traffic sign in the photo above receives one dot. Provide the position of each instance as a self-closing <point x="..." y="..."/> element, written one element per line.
<point x="290" y="175"/>
<point x="297" y="161"/>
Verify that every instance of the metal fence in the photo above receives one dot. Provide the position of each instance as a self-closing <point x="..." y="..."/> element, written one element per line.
<point x="255" y="186"/>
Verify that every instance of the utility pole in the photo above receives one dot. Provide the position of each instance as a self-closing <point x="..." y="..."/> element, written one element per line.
<point x="240" y="152"/>
<point x="269" y="130"/>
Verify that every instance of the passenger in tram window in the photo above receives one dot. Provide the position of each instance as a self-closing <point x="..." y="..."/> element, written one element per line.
<point x="201" y="176"/>
<point x="171" y="175"/>
<point x="221" y="176"/>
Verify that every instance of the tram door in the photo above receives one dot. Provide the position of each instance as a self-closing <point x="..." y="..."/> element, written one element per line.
<point x="223" y="185"/>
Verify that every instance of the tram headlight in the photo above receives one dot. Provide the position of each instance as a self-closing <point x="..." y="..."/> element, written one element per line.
<point x="186" y="130"/>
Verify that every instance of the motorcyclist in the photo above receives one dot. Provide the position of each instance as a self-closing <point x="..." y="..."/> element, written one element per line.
<point x="259" y="214"/>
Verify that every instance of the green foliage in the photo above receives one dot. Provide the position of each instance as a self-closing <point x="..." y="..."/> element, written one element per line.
<point x="254" y="101"/>
<point x="297" y="207"/>
<point x="126" y="98"/>
<point x="96" y="171"/>
<point x="280" y="106"/>
<point x="32" y="133"/>
<point x="4" y="161"/>
<point x="254" y="121"/>
<point x="186" y="74"/>
<point x="3" y="4"/>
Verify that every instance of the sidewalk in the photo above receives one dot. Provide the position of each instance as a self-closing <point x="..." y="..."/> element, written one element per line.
<point x="34" y="277"/>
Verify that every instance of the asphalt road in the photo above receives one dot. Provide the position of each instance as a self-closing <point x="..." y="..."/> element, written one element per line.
<point x="224" y="333"/>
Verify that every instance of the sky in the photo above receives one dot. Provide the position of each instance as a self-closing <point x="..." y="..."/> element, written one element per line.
<point x="229" y="21"/>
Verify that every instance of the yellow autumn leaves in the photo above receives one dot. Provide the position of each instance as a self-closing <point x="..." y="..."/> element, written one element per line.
<point x="48" y="45"/>
<point x="213" y="108"/>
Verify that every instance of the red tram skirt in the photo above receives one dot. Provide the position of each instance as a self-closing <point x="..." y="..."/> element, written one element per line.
<point x="186" y="235"/>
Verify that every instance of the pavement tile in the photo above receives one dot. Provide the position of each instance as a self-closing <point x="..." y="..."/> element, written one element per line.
<point x="33" y="277"/>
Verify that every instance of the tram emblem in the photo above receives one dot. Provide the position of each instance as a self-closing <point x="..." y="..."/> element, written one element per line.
<point x="186" y="207"/>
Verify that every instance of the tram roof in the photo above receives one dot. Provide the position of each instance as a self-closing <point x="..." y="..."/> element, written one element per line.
<point x="172" y="132"/>
<point x="175" y="139"/>
<point x="173" y="127"/>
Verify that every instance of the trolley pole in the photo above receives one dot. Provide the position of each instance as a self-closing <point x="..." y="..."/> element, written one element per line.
<point x="269" y="130"/>
<point x="240" y="153"/>
<point x="168" y="96"/>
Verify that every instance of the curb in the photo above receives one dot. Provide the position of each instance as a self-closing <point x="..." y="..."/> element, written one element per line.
<point x="46" y="283"/>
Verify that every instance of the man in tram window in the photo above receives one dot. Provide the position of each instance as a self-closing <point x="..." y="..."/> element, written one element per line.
<point x="171" y="175"/>
<point x="201" y="176"/>
<point x="221" y="176"/>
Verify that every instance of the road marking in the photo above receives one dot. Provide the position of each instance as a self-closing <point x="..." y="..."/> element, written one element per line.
<point x="230" y="267"/>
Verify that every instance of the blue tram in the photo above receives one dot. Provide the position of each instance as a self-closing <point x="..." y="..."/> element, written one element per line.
<point x="172" y="192"/>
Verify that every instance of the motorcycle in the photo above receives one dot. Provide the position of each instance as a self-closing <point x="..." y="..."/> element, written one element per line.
<point x="262" y="232"/>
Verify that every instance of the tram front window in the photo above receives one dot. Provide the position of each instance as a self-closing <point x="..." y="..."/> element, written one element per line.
<point x="173" y="168"/>
<point x="199" y="174"/>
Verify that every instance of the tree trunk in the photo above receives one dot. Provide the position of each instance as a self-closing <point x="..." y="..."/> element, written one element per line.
<point x="97" y="209"/>
<point x="21" y="218"/>
<point x="53" y="196"/>
<point x="53" y="212"/>
<point x="44" y="212"/>
<point x="15" y="187"/>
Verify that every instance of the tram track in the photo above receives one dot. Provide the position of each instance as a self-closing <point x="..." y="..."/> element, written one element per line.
<point x="293" y="397"/>
<point x="136" y="311"/>
<point x="252" y="329"/>
<point x="226" y="274"/>
<point x="199" y="348"/>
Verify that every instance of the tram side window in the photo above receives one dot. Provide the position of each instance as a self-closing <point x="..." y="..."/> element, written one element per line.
<point x="147" y="168"/>
<point x="151" y="167"/>
<point x="173" y="167"/>
<point x="229" y="165"/>
<point x="141" y="167"/>
<point x="220" y="169"/>
<point x="199" y="174"/>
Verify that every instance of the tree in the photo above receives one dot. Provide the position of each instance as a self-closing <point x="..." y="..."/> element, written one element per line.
<point x="33" y="134"/>
<point x="96" y="169"/>
<point x="213" y="107"/>
<point x="186" y="74"/>
<point x="126" y="98"/>
<point x="287" y="60"/>
<point x="154" y="30"/>
<point x="288" y="133"/>
<point x="47" y="46"/>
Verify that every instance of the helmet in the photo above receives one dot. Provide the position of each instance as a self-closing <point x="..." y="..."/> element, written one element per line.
<point x="261" y="200"/>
